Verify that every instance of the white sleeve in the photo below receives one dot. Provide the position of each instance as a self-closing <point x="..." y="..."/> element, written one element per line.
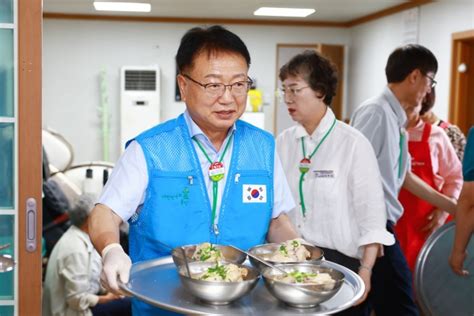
<point x="125" y="189"/>
<point x="367" y="197"/>
<point x="282" y="198"/>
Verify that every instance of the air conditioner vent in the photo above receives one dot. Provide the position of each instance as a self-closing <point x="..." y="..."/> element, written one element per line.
<point x="139" y="100"/>
<point x="143" y="80"/>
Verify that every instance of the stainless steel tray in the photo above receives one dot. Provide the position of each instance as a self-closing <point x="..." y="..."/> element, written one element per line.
<point x="157" y="283"/>
<point x="439" y="291"/>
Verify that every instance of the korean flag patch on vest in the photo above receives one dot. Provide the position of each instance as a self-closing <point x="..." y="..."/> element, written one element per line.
<point x="254" y="193"/>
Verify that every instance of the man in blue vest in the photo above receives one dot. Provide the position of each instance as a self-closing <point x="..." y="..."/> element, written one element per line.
<point x="202" y="177"/>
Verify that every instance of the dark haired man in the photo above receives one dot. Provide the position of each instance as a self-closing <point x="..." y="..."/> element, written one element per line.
<point x="410" y="72"/>
<point x="202" y="177"/>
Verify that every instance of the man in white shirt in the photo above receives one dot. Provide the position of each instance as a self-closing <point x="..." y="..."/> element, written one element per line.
<point x="203" y="177"/>
<point x="410" y="72"/>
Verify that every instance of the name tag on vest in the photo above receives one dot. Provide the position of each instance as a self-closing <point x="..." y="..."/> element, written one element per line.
<point x="323" y="173"/>
<point x="254" y="193"/>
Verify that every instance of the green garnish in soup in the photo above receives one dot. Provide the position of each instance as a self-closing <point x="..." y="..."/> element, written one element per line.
<point x="219" y="270"/>
<point x="207" y="252"/>
<point x="301" y="277"/>
<point x="222" y="273"/>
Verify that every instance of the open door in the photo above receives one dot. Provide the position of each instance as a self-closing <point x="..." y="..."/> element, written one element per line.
<point x="285" y="52"/>
<point x="461" y="110"/>
<point x="29" y="185"/>
<point x="20" y="155"/>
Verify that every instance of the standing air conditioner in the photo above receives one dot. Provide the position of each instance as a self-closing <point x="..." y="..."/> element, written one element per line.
<point x="139" y="100"/>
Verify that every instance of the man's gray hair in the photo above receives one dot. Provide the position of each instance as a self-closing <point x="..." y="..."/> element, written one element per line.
<point x="80" y="210"/>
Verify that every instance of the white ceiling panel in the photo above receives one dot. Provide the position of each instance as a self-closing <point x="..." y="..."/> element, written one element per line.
<point x="326" y="10"/>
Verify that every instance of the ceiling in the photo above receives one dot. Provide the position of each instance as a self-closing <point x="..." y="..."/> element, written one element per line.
<point x="331" y="11"/>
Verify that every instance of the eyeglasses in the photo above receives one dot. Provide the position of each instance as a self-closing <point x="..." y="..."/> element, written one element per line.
<point x="291" y="91"/>
<point x="432" y="81"/>
<point x="238" y="88"/>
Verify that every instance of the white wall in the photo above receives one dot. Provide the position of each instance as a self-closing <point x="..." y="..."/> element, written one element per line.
<point x="438" y="21"/>
<point x="373" y="42"/>
<point x="74" y="52"/>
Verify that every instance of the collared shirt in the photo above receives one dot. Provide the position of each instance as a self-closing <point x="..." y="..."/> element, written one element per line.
<point x="72" y="276"/>
<point x="126" y="188"/>
<point x="382" y="120"/>
<point x="343" y="194"/>
<point x="444" y="161"/>
<point x="468" y="162"/>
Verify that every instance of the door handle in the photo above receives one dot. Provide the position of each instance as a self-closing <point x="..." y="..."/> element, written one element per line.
<point x="31" y="215"/>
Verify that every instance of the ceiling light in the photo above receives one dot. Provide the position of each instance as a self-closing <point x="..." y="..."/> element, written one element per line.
<point x="122" y="6"/>
<point x="290" y="12"/>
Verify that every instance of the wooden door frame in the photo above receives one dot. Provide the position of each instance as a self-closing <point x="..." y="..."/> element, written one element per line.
<point x="316" y="47"/>
<point x="459" y="90"/>
<point x="29" y="159"/>
<point x="337" y="104"/>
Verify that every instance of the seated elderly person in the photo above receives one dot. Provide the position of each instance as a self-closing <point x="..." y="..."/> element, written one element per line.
<point x="72" y="277"/>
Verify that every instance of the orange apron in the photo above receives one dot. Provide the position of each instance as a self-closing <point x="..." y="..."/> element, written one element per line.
<point x="416" y="211"/>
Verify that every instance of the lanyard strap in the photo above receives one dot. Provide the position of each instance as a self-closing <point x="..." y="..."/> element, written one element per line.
<point x="303" y="206"/>
<point x="215" y="184"/>
<point x="402" y="142"/>
<point x="205" y="153"/>
<point x="319" y="144"/>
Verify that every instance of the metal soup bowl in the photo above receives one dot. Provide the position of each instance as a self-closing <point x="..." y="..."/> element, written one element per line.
<point x="229" y="254"/>
<point x="265" y="251"/>
<point x="217" y="293"/>
<point x="301" y="295"/>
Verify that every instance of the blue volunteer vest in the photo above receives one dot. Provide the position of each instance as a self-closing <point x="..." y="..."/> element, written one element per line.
<point x="177" y="210"/>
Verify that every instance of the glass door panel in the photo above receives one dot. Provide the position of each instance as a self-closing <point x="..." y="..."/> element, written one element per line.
<point x="6" y="167"/>
<point x="6" y="71"/>
<point x="7" y="231"/>
<point x="6" y="310"/>
<point x="6" y="12"/>
<point x="8" y="158"/>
